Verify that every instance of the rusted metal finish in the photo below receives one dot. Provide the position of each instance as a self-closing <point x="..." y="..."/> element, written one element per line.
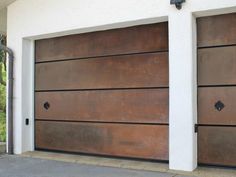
<point x="124" y="140"/>
<point x="208" y="97"/>
<point x="146" y="38"/>
<point x="141" y="105"/>
<point x="217" y="66"/>
<point x="216" y="30"/>
<point x="217" y="91"/>
<point x="132" y="71"/>
<point x="104" y="92"/>
<point x="216" y="145"/>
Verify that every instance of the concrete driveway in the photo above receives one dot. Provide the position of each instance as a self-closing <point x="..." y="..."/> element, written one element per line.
<point x="17" y="166"/>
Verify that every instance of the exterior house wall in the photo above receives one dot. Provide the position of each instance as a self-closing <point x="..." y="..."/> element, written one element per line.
<point x="3" y="21"/>
<point x="37" y="19"/>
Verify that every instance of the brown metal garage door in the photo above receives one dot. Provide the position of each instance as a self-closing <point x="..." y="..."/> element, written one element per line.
<point x="217" y="90"/>
<point x="104" y="93"/>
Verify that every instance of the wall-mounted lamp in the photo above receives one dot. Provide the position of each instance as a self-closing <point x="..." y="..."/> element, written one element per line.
<point x="177" y="3"/>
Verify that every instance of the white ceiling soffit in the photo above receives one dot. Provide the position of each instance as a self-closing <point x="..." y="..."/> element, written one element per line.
<point x="5" y="3"/>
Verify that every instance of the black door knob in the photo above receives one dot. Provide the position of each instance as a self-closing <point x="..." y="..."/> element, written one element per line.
<point x="219" y="105"/>
<point x="46" y="105"/>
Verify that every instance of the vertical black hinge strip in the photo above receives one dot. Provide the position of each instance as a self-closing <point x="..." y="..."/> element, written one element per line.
<point x="27" y="121"/>
<point x="196" y="128"/>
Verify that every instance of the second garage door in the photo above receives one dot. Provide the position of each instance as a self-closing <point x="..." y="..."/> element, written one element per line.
<point x="104" y="93"/>
<point x="217" y="90"/>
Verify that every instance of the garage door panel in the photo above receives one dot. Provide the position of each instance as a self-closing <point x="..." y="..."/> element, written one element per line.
<point x="217" y="145"/>
<point x="104" y="92"/>
<point x="106" y="139"/>
<point x="217" y="90"/>
<point x="216" y="30"/>
<point x="217" y="66"/>
<point x="207" y="112"/>
<point x="147" y="38"/>
<point x="131" y="71"/>
<point x="138" y="105"/>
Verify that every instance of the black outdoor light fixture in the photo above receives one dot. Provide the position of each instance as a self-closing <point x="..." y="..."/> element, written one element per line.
<point x="177" y="3"/>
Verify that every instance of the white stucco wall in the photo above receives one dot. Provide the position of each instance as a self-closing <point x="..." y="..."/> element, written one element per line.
<point x="35" y="19"/>
<point x="3" y="21"/>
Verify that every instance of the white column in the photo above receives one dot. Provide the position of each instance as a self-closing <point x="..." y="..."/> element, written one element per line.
<point x="28" y="94"/>
<point x="183" y="91"/>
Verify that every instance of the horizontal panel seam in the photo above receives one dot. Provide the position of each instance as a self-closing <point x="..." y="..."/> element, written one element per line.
<point x="212" y="86"/>
<point x="215" y="125"/>
<point x="102" y="56"/>
<point x="216" y="46"/>
<point x="104" y="89"/>
<point x="102" y="122"/>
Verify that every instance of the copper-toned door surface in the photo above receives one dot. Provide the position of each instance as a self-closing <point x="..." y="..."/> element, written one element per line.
<point x="217" y="90"/>
<point x="142" y="141"/>
<point x="104" y="92"/>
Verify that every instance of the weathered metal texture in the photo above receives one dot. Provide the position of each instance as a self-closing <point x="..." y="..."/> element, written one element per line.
<point x="217" y="66"/>
<point x="216" y="100"/>
<point x="217" y="145"/>
<point x="216" y="30"/>
<point x="208" y="97"/>
<point x="146" y="38"/>
<point x="107" y="94"/>
<point x="141" y="105"/>
<point x="124" y="140"/>
<point x="131" y="71"/>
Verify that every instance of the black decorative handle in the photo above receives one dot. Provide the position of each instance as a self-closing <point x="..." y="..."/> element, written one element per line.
<point x="219" y="105"/>
<point x="46" y="105"/>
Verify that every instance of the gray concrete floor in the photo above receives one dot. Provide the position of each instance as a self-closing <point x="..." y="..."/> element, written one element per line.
<point x="18" y="166"/>
<point x="129" y="164"/>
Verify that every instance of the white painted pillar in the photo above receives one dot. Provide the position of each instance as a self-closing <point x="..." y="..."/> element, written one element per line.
<point x="183" y="91"/>
<point x="28" y="94"/>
